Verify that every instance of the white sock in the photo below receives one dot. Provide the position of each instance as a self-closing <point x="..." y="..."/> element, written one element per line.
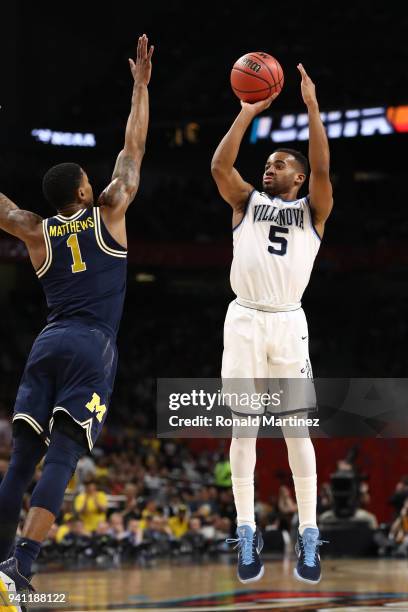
<point x="302" y="461"/>
<point x="243" y="489"/>
<point x="306" y="497"/>
<point x="242" y="459"/>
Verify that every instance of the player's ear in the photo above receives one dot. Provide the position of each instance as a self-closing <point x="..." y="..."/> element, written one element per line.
<point x="300" y="178"/>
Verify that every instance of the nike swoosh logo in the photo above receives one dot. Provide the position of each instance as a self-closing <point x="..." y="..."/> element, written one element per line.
<point x="304" y="337"/>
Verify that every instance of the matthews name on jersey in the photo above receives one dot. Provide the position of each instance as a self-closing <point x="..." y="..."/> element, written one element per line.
<point x="84" y="274"/>
<point x="275" y="246"/>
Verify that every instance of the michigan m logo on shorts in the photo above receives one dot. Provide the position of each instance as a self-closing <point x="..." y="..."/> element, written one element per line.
<point x="95" y="406"/>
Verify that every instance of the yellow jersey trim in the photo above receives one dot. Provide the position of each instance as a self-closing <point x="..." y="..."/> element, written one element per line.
<point x="99" y="238"/>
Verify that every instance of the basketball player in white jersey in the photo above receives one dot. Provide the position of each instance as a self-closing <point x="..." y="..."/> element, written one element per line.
<point x="276" y="238"/>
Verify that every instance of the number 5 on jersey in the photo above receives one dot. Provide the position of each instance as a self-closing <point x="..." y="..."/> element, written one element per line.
<point x="280" y="241"/>
<point x="73" y="244"/>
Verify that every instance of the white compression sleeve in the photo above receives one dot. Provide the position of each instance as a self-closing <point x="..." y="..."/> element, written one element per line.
<point x="243" y="459"/>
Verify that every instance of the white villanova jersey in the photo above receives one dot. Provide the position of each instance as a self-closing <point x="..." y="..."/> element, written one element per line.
<point x="275" y="246"/>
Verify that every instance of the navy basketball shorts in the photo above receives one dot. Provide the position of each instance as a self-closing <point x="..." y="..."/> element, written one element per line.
<point x="71" y="369"/>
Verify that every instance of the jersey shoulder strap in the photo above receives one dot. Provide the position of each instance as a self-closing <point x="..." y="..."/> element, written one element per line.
<point x="48" y="250"/>
<point x="105" y="241"/>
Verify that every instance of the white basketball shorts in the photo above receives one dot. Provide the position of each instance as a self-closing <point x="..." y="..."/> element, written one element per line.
<point x="262" y="350"/>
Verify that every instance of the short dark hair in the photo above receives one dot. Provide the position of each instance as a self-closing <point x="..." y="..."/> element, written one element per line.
<point x="90" y="480"/>
<point x="300" y="158"/>
<point x="60" y="184"/>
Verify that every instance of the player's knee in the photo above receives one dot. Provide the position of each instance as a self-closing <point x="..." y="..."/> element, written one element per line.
<point x="64" y="450"/>
<point x="67" y="426"/>
<point x="20" y="468"/>
<point x="28" y="450"/>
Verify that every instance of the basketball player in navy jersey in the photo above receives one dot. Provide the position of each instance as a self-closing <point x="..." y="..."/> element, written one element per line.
<point x="276" y="238"/>
<point x="80" y="257"/>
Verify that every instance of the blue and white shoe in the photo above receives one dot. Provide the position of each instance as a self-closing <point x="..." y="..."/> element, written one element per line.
<point x="308" y="565"/>
<point x="11" y="581"/>
<point x="249" y="544"/>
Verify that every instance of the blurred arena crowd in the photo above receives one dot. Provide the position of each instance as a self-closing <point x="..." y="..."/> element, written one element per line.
<point x="137" y="499"/>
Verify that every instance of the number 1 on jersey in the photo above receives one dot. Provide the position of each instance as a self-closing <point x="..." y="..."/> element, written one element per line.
<point x="73" y="244"/>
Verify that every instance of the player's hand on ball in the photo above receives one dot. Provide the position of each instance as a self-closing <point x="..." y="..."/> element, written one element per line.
<point x="307" y="87"/>
<point x="142" y="68"/>
<point x="254" y="108"/>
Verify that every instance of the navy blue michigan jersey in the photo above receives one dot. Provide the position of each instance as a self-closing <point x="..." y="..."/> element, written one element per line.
<point x="71" y="368"/>
<point x="84" y="274"/>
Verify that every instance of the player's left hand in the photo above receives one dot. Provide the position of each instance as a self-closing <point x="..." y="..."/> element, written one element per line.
<point x="142" y="68"/>
<point x="254" y="108"/>
<point x="307" y="87"/>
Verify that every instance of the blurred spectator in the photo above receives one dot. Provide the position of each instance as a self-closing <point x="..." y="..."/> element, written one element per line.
<point x="135" y="533"/>
<point x="131" y="509"/>
<point x="400" y="494"/>
<point x="399" y="532"/>
<point x="65" y="527"/>
<point x="76" y="541"/>
<point x="151" y="509"/>
<point x="324" y="498"/>
<point x="5" y="431"/>
<point x="222" y="527"/>
<point x="286" y="507"/>
<point x="194" y="536"/>
<point x="158" y="534"/>
<point x="152" y="479"/>
<point x="91" y="506"/>
<point x="85" y="470"/>
<point x="179" y="523"/>
<point x="117" y="527"/>
<point x="222" y="472"/>
<point x="49" y="548"/>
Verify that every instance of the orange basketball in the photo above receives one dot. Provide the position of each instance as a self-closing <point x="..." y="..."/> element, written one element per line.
<point x="256" y="76"/>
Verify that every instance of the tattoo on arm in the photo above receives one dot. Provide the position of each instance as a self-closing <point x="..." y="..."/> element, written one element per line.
<point x="125" y="182"/>
<point x="20" y="223"/>
<point x="6" y="205"/>
<point x="127" y="169"/>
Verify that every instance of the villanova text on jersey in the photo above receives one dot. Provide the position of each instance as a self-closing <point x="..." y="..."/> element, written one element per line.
<point x="281" y="216"/>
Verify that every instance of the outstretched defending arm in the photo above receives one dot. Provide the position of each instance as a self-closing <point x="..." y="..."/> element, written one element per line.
<point x="230" y="184"/>
<point x="116" y="198"/>
<point x="25" y="225"/>
<point x="320" y="188"/>
<point x="20" y="223"/>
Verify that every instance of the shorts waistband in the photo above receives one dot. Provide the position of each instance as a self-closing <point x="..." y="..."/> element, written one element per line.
<point x="62" y="323"/>
<point x="268" y="307"/>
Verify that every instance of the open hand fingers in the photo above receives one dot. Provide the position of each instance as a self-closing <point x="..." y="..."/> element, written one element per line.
<point x="302" y="71"/>
<point x="142" y="45"/>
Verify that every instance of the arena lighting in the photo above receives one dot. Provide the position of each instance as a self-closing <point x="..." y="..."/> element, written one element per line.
<point x="144" y="277"/>
<point x="339" y="124"/>
<point x="64" y="139"/>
